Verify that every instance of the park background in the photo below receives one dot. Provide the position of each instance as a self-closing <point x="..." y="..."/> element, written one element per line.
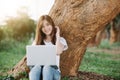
<point x="18" y="21"/>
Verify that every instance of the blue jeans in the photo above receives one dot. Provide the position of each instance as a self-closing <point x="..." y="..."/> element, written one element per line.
<point x="48" y="73"/>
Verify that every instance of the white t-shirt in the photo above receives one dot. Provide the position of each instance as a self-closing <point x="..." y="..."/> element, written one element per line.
<point x="63" y="41"/>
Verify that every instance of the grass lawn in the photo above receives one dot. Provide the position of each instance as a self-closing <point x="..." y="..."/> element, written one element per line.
<point x="10" y="54"/>
<point x="98" y="62"/>
<point x="101" y="63"/>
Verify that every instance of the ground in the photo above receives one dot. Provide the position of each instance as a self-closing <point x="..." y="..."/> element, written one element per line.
<point x="90" y="76"/>
<point x="82" y="75"/>
<point x="98" y="63"/>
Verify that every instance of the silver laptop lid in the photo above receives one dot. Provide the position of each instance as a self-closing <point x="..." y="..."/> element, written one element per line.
<point x="41" y="54"/>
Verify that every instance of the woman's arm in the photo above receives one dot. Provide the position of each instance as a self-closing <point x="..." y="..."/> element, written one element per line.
<point x="59" y="45"/>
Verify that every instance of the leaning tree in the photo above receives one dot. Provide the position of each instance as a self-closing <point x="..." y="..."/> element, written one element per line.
<point x="79" y="21"/>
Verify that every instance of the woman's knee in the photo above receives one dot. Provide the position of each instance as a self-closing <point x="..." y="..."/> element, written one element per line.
<point x="36" y="70"/>
<point x="47" y="69"/>
<point x="47" y="73"/>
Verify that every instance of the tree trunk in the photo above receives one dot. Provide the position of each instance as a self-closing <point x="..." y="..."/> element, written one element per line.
<point x="92" y="42"/>
<point x="113" y="33"/>
<point x="79" y="21"/>
<point x="95" y="41"/>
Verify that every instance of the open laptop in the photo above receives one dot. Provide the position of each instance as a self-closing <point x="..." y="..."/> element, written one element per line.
<point x="41" y="54"/>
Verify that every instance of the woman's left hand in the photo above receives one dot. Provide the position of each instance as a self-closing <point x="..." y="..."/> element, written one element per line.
<point x="57" y="31"/>
<point x="58" y="43"/>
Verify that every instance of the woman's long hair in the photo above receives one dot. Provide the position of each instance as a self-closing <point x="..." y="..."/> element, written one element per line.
<point x="40" y="36"/>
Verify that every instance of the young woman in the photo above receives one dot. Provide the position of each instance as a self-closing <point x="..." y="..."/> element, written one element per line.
<point x="48" y="34"/>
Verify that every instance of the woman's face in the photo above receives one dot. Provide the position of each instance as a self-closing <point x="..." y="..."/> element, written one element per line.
<point x="47" y="28"/>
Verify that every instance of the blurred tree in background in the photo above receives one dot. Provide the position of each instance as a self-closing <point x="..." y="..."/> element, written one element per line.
<point x="110" y="32"/>
<point x="20" y="27"/>
<point x="115" y="29"/>
<point x="1" y="34"/>
<point x="16" y="30"/>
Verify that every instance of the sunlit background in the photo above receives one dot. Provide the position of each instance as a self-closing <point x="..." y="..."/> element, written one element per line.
<point x="34" y="8"/>
<point x="18" y="22"/>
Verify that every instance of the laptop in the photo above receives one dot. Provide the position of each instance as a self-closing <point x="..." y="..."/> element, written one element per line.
<point x="41" y="55"/>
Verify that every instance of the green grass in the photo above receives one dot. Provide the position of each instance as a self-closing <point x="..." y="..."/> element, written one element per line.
<point x="102" y="63"/>
<point x="106" y="45"/>
<point x="10" y="55"/>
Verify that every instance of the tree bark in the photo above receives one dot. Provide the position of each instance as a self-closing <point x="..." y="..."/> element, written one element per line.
<point x="92" y="42"/>
<point x="95" y="41"/>
<point x="79" y="21"/>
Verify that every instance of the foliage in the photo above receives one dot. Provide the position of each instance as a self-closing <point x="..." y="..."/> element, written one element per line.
<point x="1" y="34"/>
<point x="20" y="27"/>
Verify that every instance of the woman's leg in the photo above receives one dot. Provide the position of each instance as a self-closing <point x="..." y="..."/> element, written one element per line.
<point x="57" y="75"/>
<point x="49" y="73"/>
<point x="35" y="73"/>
